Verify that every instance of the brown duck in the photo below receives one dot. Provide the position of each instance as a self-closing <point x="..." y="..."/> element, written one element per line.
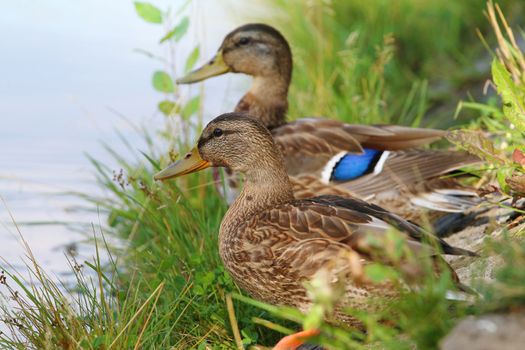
<point x="271" y="243"/>
<point x="379" y="163"/>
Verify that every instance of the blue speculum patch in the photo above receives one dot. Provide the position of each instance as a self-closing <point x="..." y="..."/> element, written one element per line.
<point x="352" y="166"/>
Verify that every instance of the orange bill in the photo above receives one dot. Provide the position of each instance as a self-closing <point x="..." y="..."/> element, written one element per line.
<point x="215" y="66"/>
<point x="191" y="163"/>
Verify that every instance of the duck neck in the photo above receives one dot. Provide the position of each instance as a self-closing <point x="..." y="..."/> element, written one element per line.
<point x="264" y="187"/>
<point x="267" y="99"/>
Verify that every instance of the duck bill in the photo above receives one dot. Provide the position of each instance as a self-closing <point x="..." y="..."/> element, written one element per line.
<point x="191" y="163"/>
<point x="215" y="66"/>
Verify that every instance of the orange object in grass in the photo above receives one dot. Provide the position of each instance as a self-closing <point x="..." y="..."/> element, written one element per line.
<point x="293" y="341"/>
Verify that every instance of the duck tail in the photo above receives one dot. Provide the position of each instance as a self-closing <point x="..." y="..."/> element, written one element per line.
<point x="451" y="250"/>
<point x="448" y="200"/>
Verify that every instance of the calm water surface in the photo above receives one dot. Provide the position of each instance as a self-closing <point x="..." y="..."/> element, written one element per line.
<point x="65" y="67"/>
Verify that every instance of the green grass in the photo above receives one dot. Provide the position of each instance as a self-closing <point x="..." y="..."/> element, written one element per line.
<point x="42" y="313"/>
<point x="385" y="61"/>
<point x="168" y="288"/>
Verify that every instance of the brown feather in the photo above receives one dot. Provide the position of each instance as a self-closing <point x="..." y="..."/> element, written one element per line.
<point x="398" y="200"/>
<point x="295" y="240"/>
<point x="392" y="137"/>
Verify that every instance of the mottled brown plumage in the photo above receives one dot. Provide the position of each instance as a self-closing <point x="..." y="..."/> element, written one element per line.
<point x="272" y="243"/>
<point x="310" y="144"/>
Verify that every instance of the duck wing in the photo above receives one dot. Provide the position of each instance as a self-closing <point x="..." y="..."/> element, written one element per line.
<point x="296" y="240"/>
<point x="392" y="137"/>
<point x="309" y="136"/>
<point x="349" y="222"/>
<point x="309" y="144"/>
<point x="400" y="169"/>
<point x="335" y="151"/>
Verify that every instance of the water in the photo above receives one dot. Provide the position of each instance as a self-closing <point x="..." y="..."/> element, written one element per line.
<point x="65" y="68"/>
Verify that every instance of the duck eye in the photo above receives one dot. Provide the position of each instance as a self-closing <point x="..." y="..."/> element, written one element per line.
<point x="217" y="132"/>
<point x="244" y="40"/>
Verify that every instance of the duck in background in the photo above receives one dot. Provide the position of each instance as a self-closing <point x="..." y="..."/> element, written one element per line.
<point x="379" y="163"/>
<point x="272" y="243"/>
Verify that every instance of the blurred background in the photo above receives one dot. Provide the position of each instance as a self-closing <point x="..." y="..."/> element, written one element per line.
<point x="73" y="78"/>
<point x="76" y="76"/>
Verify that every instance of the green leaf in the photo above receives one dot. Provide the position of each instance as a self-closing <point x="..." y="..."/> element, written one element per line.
<point x="192" y="58"/>
<point x="198" y="290"/>
<point x="248" y="336"/>
<point x="476" y="143"/>
<point x="148" y="12"/>
<point x="168" y="107"/>
<point x="314" y="317"/>
<point x="204" y="279"/>
<point x="162" y="82"/>
<point x="513" y="97"/>
<point x="179" y="282"/>
<point x="203" y="346"/>
<point x="191" y="107"/>
<point x="378" y="273"/>
<point x="502" y="176"/>
<point x="395" y="245"/>
<point x="178" y="32"/>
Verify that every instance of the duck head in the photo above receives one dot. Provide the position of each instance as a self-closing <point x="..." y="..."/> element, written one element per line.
<point x="235" y="141"/>
<point x="255" y="49"/>
<point x="261" y="51"/>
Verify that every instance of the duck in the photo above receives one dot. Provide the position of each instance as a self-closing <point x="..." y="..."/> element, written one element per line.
<point x="272" y="243"/>
<point x="383" y="164"/>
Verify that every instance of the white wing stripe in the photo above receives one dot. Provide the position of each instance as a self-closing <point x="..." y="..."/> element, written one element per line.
<point x="328" y="169"/>
<point x="381" y="162"/>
